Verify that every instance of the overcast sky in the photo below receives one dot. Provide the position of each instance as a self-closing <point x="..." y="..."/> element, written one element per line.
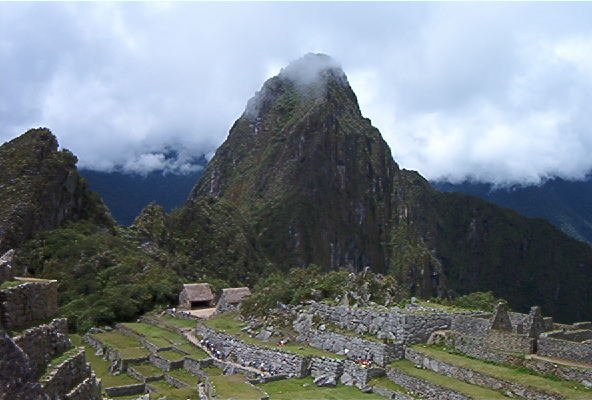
<point x="496" y="92"/>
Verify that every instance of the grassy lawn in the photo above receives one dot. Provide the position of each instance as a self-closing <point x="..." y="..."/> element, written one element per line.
<point x="148" y="369"/>
<point x="172" y="393"/>
<point x="151" y="331"/>
<point x="184" y="375"/>
<point x="229" y="323"/>
<point x="177" y="322"/>
<point x="117" y="340"/>
<point x="171" y="355"/>
<point x="101" y="366"/>
<point x="212" y="370"/>
<point x="194" y="352"/>
<point x="474" y="391"/>
<point x="567" y="389"/>
<point x="234" y="387"/>
<point x="294" y="389"/>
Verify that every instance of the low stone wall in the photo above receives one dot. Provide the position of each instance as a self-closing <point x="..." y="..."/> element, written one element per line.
<point x="128" y="390"/>
<point x="196" y="366"/>
<point x="390" y="323"/>
<point x="356" y="375"/>
<point x="89" y="389"/>
<point x="557" y="348"/>
<point x="507" y="341"/>
<point x="470" y="324"/>
<point x="276" y="362"/>
<point x="44" y="342"/>
<point x="164" y="364"/>
<point x="324" y="366"/>
<point x="354" y="347"/>
<point x="175" y="382"/>
<point x="575" y="374"/>
<point x="142" y="378"/>
<point x="477" y="347"/>
<point x="389" y="394"/>
<point x="474" y="377"/>
<point x="22" y="305"/>
<point x="427" y="390"/>
<point x="576" y="335"/>
<point x="182" y="314"/>
<point x="152" y="348"/>
<point x="62" y="378"/>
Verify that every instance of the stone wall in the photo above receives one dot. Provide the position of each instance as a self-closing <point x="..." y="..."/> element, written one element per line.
<point x="354" y="374"/>
<point x="389" y="394"/>
<point x="476" y="347"/>
<point x="22" y="305"/>
<point x="142" y="378"/>
<point x="557" y="348"/>
<point x="391" y="323"/>
<point x="127" y="390"/>
<point x="62" y="378"/>
<point x="427" y="390"/>
<point x="354" y="347"/>
<point x="89" y="389"/>
<point x="17" y="380"/>
<point x="543" y="367"/>
<point x="324" y="366"/>
<point x="196" y="366"/>
<point x="508" y="341"/>
<point x="44" y="342"/>
<point x="164" y="364"/>
<point x="276" y="362"/>
<point x="474" y="377"/>
<point x="473" y="325"/>
<point x="576" y="335"/>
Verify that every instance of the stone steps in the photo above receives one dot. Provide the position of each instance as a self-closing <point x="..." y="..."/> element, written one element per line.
<point x="497" y="377"/>
<point x="430" y="385"/>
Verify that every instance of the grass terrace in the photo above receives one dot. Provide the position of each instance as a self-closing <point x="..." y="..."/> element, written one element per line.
<point x="386" y="383"/>
<point x="184" y="376"/>
<point x="473" y="391"/>
<point x="212" y="370"/>
<point x="193" y="351"/>
<point x="229" y="323"/>
<point x="234" y="387"/>
<point x="154" y="332"/>
<point x="172" y="393"/>
<point x="101" y="367"/>
<point x="177" y="323"/>
<point x="550" y="385"/>
<point x="148" y="369"/>
<point x="304" y="389"/>
<point x="171" y="355"/>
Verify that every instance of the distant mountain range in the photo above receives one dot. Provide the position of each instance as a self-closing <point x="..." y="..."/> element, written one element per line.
<point x="127" y="194"/>
<point x="566" y="204"/>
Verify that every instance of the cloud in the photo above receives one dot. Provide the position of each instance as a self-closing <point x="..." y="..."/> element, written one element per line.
<point x="495" y="92"/>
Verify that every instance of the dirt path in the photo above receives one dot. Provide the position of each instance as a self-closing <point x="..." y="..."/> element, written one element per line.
<point x="558" y="361"/>
<point x="190" y="335"/>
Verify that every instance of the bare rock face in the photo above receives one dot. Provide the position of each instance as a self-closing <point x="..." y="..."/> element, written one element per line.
<point x="40" y="188"/>
<point x="17" y="381"/>
<point x="6" y="268"/>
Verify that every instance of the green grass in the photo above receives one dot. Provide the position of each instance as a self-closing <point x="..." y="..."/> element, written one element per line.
<point x="212" y="370"/>
<point x="566" y="389"/>
<point x="386" y="383"/>
<point x="10" y="284"/>
<point x="184" y="375"/>
<point x="159" y="342"/>
<point x="474" y="391"/>
<point x="172" y="393"/>
<point x="229" y="323"/>
<point x="148" y="370"/>
<point x="177" y="322"/>
<point x="171" y="355"/>
<point x="101" y="366"/>
<point x="54" y="362"/>
<point x="194" y="352"/>
<point x="152" y="331"/>
<point x="234" y="387"/>
<point x="117" y="340"/>
<point x="294" y="389"/>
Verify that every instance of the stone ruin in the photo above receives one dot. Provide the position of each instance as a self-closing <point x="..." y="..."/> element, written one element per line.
<point x="28" y="343"/>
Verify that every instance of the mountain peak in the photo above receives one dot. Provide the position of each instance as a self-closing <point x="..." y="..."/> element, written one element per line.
<point x="312" y="69"/>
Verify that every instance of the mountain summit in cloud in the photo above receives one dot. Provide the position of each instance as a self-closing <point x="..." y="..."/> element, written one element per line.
<point x="319" y="186"/>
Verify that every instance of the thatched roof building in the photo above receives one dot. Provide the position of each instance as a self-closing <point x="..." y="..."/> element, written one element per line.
<point x="196" y="295"/>
<point x="231" y="298"/>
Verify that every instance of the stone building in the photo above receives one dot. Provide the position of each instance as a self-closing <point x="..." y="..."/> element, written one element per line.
<point x="231" y="298"/>
<point x="196" y="295"/>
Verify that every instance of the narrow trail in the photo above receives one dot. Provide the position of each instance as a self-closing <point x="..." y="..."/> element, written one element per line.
<point x="559" y="361"/>
<point x="189" y="334"/>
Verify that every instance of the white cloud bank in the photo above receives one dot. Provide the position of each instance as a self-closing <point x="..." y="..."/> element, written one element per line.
<point x="496" y="92"/>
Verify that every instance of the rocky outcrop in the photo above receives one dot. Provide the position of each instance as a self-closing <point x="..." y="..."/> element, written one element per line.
<point x="40" y="188"/>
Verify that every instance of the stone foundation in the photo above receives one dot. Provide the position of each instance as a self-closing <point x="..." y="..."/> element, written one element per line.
<point x="557" y="348"/>
<point x="64" y="377"/>
<point x="427" y="390"/>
